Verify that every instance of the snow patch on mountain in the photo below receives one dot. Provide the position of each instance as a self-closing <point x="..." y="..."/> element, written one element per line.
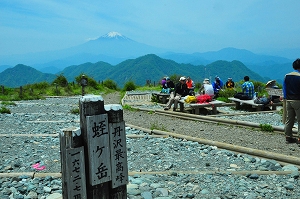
<point x="114" y="35"/>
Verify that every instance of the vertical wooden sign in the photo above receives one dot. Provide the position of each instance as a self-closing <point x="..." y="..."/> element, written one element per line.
<point x="98" y="149"/>
<point x="118" y="154"/>
<point x="76" y="173"/>
<point x="118" y="149"/>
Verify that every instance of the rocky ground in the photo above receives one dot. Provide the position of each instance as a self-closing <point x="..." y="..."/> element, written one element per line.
<point x="182" y="161"/>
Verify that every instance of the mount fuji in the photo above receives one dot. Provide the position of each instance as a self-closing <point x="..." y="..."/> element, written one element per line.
<point x="112" y="48"/>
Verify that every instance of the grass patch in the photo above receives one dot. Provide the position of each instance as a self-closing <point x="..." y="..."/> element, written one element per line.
<point x="128" y="107"/>
<point x="266" y="127"/>
<point x="8" y="103"/>
<point x="156" y="126"/>
<point x="75" y="111"/>
<point x="3" y="110"/>
<point x="151" y="112"/>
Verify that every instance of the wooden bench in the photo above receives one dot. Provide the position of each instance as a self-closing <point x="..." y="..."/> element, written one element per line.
<point x="162" y="97"/>
<point x="197" y="106"/>
<point x="258" y="107"/>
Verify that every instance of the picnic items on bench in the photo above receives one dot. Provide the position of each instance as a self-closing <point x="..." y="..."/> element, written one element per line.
<point x="258" y="107"/>
<point x="197" y="99"/>
<point x="205" y="101"/>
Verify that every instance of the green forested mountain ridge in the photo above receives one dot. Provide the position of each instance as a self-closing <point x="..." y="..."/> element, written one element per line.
<point x="148" y="67"/>
<point x="21" y="75"/>
<point x="152" y="67"/>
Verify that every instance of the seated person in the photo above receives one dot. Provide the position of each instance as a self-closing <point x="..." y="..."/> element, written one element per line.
<point x="217" y="85"/>
<point x="229" y="84"/>
<point x="168" y="87"/>
<point x="181" y="90"/>
<point x="163" y="82"/>
<point x="190" y="85"/>
<point x="247" y="90"/>
<point x="207" y="88"/>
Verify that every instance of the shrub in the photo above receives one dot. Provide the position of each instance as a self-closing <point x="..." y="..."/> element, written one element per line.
<point x="226" y="93"/>
<point x="110" y="84"/>
<point x="60" y="80"/>
<point x="129" y="86"/>
<point x="40" y="86"/>
<point x="175" y="78"/>
<point x="3" y="109"/>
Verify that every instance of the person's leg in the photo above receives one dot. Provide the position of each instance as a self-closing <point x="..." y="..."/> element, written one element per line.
<point x="176" y="99"/>
<point x="296" y="105"/>
<point x="284" y="111"/>
<point x="290" y="120"/>
<point x="170" y="102"/>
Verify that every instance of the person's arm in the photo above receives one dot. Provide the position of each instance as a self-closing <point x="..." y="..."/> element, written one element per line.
<point x="201" y="89"/>
<point x="193" y="85"/>
<point x="284" y="88"/>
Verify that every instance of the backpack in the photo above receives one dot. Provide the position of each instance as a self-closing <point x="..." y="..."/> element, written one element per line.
<point x="262" y="100"/>
<point x="204" y="99"/>
<point x="165" y="90"/>
<point x="190" y="99"/>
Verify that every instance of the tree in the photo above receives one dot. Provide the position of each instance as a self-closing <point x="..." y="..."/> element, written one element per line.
<point x="60" y="80"/>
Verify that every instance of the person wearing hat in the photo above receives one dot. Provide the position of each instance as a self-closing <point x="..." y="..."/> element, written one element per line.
<point x="180" y="90"/>
<point x="229" y="84"/>
<point x="207" y="88"/>
<point x="168" y="86"/>
<point x="217" y="85"/>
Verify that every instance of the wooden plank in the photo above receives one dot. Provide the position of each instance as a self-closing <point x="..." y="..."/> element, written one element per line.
<point x="162" y="97"/>
<point x="276" y="92"/>
<point x="90" y="105"/>
<point x="254" y="105"/>
<point x="76" y="172"/>
<point x="118" y="154"/>
<point x="69" y="138"/>
<point x="118" y="151"/>
<point x="98" y="149"/>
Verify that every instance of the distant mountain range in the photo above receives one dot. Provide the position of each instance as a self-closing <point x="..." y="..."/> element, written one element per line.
<point x="148" y="67"/>
<point x="115" y="49"/>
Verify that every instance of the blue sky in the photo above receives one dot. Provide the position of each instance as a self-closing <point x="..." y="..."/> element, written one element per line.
<point x="185" y="26"/>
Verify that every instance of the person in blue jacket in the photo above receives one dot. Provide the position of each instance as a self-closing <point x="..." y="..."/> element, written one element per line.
<point x="291" y="94"/>
<point x="217" y="85"/>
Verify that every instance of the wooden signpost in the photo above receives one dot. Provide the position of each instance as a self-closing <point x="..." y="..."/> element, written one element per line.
<point x="95" y="165"/>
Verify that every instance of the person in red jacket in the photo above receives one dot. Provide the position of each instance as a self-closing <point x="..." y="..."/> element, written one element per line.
<point x="190" y="85"/>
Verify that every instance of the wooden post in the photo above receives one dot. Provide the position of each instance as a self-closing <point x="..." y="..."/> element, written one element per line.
<point x="21" y="91"/>
<point x="72" y="164"/>
<point x="83" y="83"/>
<point x="118" y="151"/>
<point x="91" y="106"/>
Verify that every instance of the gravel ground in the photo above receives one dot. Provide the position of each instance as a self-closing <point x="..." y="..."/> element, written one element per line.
<point x="192" y="170"/>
